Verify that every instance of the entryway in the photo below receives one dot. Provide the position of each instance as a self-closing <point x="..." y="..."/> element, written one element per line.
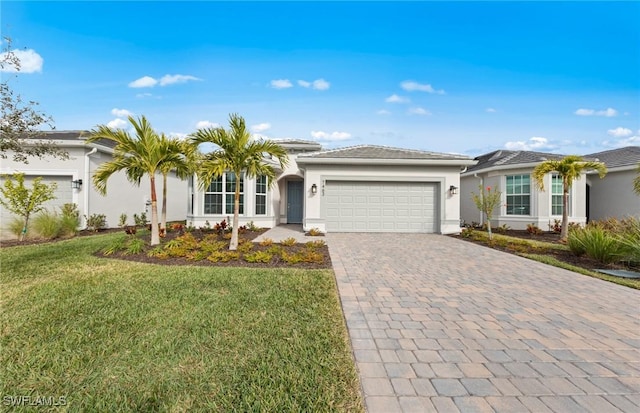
<point x="295" y="202"/>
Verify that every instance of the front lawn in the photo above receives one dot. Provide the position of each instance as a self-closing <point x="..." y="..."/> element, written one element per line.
<point x="111" y="335"/>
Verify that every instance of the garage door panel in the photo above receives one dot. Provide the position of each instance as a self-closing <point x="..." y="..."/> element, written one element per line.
<point x="381" y="206"/>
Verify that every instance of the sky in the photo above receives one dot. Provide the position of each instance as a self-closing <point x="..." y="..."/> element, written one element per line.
<point x="452" y="77"/>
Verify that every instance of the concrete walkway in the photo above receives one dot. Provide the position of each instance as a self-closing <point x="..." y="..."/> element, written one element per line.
<point x="285" y="231"/>
<point x="442" y="325"/>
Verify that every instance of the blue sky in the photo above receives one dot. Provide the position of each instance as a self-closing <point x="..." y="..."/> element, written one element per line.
<point x="448" y="77"/>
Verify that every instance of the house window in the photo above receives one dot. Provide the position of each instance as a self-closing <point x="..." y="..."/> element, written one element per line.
<point x="219" y="195"/>
<point x="518" y="194"/>
<point x="261" y="195"/>
<point x="556" y="195"/>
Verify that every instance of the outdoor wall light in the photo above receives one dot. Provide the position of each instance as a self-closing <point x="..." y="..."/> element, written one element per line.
<point x="314" y="189"/>
<point x="76" y="184"/>
<point x="453" y="190"/>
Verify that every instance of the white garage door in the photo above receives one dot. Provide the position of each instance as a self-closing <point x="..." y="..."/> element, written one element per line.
<point x="359" y="206"/>
<point x="63" y="193"/>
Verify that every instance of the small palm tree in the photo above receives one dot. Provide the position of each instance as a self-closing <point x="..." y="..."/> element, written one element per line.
<point x="237" y="152"/>
<point x="139" y="155"/>
<point x="569" y="169"/>
<point x="183" y="165"/>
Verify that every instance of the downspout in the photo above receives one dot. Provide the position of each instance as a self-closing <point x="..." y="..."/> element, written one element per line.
<point x="482" y="186"/>
<point x="87" y="180"/>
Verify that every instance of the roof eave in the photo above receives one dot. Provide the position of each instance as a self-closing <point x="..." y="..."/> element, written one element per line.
<point x="390" y="162"/>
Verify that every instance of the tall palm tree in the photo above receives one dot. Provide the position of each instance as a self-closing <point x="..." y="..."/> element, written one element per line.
<point x="236" y="152"/>
<point x="183" y="166"/>
<point x="139" y="155"/>
<point x="569" y="169"/>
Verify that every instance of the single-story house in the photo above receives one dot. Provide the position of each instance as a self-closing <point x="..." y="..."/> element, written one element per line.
<point x="522" y="203"/>
<point x="74" y="184"/>
<point x="363" y="188"/>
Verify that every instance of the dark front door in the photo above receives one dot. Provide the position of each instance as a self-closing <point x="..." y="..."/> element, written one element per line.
<point x="294" y="202"/>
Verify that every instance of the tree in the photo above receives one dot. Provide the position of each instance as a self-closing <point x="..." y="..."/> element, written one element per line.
<point x="636" y="181"/>
<point x="20" y="120"/>
<point x="23" y="202"/>
<point x="139" y="155"/>
<point x="237" y="152"/>
<point x="569" y="169"/>
<point x="486" y="202"/>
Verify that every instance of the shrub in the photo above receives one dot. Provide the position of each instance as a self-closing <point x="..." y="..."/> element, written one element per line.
<point x="467" y="232"/>
<point x="266" y="242"/>
<point x="288" y="242"/>
<point x="69" y="220"/>
<point x="275" y="250"/>
<point x="122" y="222"/>
<point x="16" y="225"/>
<point x="197" y="255"/>
<point x="96" y="222"/>
<point x="629" y="240"/>
<point x="47" y="224"/>
<point x="211" y="246"/>
<point x="252" y="227"/>
<point x="314" y="232"/>
<point x="134" y="246"/>
<point x="502" y="229"/>
<point x="291" y="258"/>
<point x="258" y="256"/>
<point x="598" y="244"/>
<point x="158" y="252"/>
<point x="574" y="241"/>
<point x="556" y="226"/>
<point x="312" y="256"/>
<point x="533" y="229"/>
<point x="223" y="256"/>
<point x="118" y="244"/>
<point x="245" y="247"/>
<point x="140" y="220"/>
<point x="315" y="244"/>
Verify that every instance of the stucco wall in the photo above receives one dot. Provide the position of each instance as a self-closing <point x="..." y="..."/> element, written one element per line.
<point x="613" y="196"/>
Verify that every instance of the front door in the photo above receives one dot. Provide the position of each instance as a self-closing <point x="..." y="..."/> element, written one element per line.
<point x="294" y="202"/>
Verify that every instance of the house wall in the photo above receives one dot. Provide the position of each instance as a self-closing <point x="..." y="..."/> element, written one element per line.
<point x="613" y="196"/>
<point x="449" y="208"/>
<point x="122" y="196"/>
<point x="540" y="208"/>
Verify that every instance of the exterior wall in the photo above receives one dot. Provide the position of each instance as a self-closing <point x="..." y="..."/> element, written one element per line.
<point x="449" y="205"/>
<point x="540" y="207"/>
<point x="613" y="196"/>
<point x="121" y="197"/>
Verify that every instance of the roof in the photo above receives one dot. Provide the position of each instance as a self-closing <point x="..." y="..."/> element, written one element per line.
<point x="628" y="156"/>
<point x="381" y="152"/>
<point x="71" y="136"/>
<point x="298" y="145"/>
<point x="504" y="159"/>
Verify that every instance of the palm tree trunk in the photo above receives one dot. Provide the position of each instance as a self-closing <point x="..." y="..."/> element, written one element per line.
<point x="233" y="245"/>
<point x="564" y="231"/>
<point x="155" y="234"/>
<point x="163" y="219"/>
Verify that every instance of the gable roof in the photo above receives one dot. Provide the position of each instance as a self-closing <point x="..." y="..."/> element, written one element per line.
<point x="614" y="158"/>
<point x="503" y="159"/>
<point x="383" y="155"/>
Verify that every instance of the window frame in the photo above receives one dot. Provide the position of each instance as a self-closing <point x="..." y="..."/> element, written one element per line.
<point x="226" y="193"/>
<point x="554" y="185"/>
<point x="261" y="195"/>
<point x="514" y="187"/>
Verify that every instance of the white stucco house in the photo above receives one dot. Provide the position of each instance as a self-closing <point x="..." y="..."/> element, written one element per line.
<point x="363" y="188"/>
<point x="74" y="184"/>
<point x="522" y="203"/>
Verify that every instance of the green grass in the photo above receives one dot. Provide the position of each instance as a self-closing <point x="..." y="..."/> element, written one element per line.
<point x="114" y="336"/>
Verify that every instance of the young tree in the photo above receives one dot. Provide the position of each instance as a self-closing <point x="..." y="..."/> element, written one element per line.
<point x="486" y="202"/>
<point x="569" y="169"/>
<point x="20" y="120"/>
<point x="25" y="202"/>
<point x="237" y="152"/>
<point x="139" y="155"/>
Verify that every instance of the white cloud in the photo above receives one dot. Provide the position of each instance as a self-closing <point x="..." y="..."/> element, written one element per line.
<point x="411" y="86"/>
<point x="304" y="83"/>
<point x="204" y="124"/>
<point x="321" y="84"/>
<point x="30" y="62"/>
<point x="419" y="111"/>
<point x="117" y="124"/>
<point x="333" y="136"/>
<point x="144" y="81"/>
<point x="490" y="110"/>
<point x="383" y="112"/>
<point x="261" y="127"/>
<point x="178" y="135"/>
<point x="535" y="143"/>
<point x="620" y="132"/>
<point x="620" y="143"/>
<point x="174" y="79"/>
<point x="120" y="113"/>
<point x="397" y="99"/>
<point x="609" y="112"/>
<point x="281" y="84"/>
<point x="143" y="95"/>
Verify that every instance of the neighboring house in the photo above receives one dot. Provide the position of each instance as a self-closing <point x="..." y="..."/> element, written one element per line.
<point x="122" y="196"/>
<point x="522" y="202"/>
<point x="613" y="196"/>
<point x="355" y="189"/>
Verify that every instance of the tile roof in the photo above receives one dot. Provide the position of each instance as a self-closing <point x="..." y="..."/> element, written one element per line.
<point x="381" y="152"/>
<point x="613" y="158"/>
<point x="72" y="135"/>
<point x="505" y="157"/>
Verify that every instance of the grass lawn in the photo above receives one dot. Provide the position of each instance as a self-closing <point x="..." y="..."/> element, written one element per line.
<point x="110" y="335"/>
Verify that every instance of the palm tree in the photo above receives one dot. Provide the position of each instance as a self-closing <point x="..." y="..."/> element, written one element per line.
<point x="139" y="155"/>
<point x="636" y="181"/>
<point x="236" y="152"/>
<point x="569" y="169"/>
<point x="183" y="165"/>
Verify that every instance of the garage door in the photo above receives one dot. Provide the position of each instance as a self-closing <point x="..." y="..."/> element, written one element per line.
<point x="64" y="194"/>
<point x="358" y="206"/>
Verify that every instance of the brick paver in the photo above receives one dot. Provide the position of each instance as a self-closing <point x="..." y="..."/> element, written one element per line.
<point x="440" y="324"/>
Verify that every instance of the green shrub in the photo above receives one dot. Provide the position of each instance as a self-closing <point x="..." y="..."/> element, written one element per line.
<point x="266" y="242"/>
<point x="292" y="258"/>
<point x="629" y="239"/>
<point x="134" y="246"/>
<point x="69" y="220"/>
<point x="122" y="222"/>
<point x="119" y="244"/>
<point x="575" y="241"/>
<point x="96" y="222"/>
<point x="275" y="250"/>
<point x="288" y="242"/>
<point x="258" y="256"/>
<point x="312" y="256"/>
<point x="314" y="232"/>
<point x="212" y="246"/>
<point x="599" y="244"/>
<point x="223" y="256"/>
<point x="245" y="247"/>
<point x="47" y="224"/>
<point x="15" y="226"/>
<point x="315" y="244"/>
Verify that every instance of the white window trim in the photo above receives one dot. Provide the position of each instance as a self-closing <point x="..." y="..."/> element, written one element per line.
<point x="266" y="198"/>
<point x="504" y="195"/>
<point x="224" y="194"/>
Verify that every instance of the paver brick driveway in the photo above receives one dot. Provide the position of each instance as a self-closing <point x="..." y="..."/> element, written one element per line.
<point x="440" y="324"/>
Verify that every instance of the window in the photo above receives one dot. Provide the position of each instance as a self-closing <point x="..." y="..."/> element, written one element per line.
<point x="556" y="195"/>
<point x="219" y="196"/>
<point x="261" y="195"/>
<point x="518" y="195"/>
